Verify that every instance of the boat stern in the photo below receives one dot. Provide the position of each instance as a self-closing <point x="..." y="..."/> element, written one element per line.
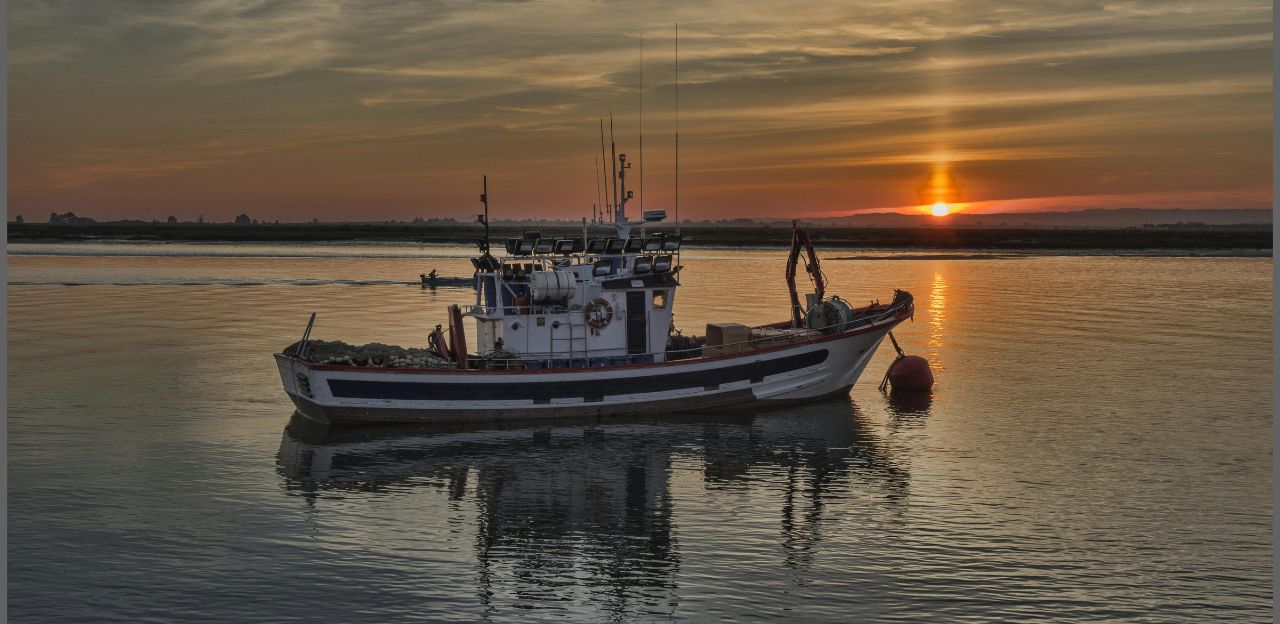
<point x="297" y="379"/>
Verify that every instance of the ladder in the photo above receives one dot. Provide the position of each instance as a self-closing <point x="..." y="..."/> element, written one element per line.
<point x="573" y="345"/>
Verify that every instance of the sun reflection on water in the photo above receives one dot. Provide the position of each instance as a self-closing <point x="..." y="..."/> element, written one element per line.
<point x="937" y="312"/>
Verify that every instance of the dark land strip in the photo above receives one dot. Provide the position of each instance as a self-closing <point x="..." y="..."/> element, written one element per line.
<point x="930" y="238"/>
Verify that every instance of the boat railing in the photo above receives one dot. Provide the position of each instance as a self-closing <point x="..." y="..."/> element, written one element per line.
<point x="776" y="340"/>
<point x="483" y="310"/>
<point x="598" y="359"/>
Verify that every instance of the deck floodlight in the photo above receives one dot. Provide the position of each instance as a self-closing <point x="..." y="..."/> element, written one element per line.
<point x="644" y="264"/>
<point x="544" y="246"/>
<point x="601" y="267"/>
<point x="615" y="246"/>
<point x="512" y="245"/>
<point x="597" y="246"/>
<point x="662" y="264"/>
<point x="654" y="243"/>
<point x="671" y="243"/>
<point x="565" y="245"/>
<point x="653" y="216"/>
<point x="634" y="245"/>
<point x="487" y="263"/>
<point x="524" y="247"/>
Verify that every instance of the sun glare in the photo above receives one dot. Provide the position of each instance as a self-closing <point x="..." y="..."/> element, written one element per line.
<point x="941" y="209"/>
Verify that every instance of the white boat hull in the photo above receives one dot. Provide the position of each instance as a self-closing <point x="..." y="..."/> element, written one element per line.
<point x="821" y="367"/>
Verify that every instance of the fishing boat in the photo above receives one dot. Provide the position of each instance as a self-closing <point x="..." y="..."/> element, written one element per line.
<point x="432" y="280"/>
<point x="582" y="326"/>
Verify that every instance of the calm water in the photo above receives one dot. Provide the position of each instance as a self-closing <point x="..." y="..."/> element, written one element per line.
<point x="1098" y="447"/>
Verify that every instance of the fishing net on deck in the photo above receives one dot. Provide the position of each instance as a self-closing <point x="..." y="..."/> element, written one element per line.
<point x="374" y="354"/>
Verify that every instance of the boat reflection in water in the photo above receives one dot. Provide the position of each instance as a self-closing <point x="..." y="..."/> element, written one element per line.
<point x="566" y="505"/>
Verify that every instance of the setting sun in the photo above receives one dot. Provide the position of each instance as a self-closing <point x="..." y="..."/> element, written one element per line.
<point x="941" y="209"/>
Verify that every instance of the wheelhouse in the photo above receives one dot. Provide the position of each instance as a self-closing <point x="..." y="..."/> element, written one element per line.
<point x="573" y="302"/>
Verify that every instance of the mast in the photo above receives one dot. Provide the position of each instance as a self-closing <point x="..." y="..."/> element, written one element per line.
<point x="484" y="197"/>
<point x="677" y="89"/>
<point x="621" y="214"/>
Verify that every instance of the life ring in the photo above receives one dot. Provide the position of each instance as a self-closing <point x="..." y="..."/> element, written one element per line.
<point x="598" y="314"/>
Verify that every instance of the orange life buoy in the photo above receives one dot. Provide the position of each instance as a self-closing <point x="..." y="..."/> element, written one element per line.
<point x="598" y="314"/>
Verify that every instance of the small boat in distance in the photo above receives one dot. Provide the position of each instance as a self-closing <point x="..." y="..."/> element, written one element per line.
<point x="432" y="280"/>
<point x="582" y="326"/>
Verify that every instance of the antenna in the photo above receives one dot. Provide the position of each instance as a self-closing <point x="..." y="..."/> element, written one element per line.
<point x="607" y="207"/>
<point x="677" y="89"/>
<point x="613" y="150"/>
<point x="596" y="207"/>
<point x="642" y="125"/>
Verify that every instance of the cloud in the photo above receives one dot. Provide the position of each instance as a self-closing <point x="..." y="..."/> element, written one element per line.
<point x="770" y="92"/>
<point x="249" y="39"/>
<point x="1248" y="197"/>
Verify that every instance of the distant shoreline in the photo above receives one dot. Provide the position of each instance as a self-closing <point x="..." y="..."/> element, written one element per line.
<point x="1159" y="241"/>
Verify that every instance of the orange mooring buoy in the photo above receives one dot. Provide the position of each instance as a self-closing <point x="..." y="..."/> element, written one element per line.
<point x="908" y="372"/>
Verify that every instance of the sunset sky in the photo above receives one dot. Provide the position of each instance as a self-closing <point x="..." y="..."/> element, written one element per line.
<point x="294" y="109"/>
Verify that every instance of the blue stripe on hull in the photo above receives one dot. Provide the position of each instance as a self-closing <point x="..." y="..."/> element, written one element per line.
<point x="514" y="388"/>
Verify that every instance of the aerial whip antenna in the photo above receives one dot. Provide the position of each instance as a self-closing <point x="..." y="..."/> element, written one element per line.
<point x="595" y="208"/>
<point x="613" y="150"/>
<point x="677" y="89"/>
<point x="607" y="207"/>
<point x="641" y="123"/>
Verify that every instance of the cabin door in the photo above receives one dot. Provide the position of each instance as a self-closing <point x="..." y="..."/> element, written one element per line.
<point x="637" y="323"/>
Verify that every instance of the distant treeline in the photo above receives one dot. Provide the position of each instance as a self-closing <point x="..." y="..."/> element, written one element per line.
<point x="876" y="238"/>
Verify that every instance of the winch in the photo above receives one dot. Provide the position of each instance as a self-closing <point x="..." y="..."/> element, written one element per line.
<point x="829" y="315"/>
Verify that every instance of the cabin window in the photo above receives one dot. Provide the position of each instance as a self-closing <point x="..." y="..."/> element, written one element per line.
<point x="659" y="300"/>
